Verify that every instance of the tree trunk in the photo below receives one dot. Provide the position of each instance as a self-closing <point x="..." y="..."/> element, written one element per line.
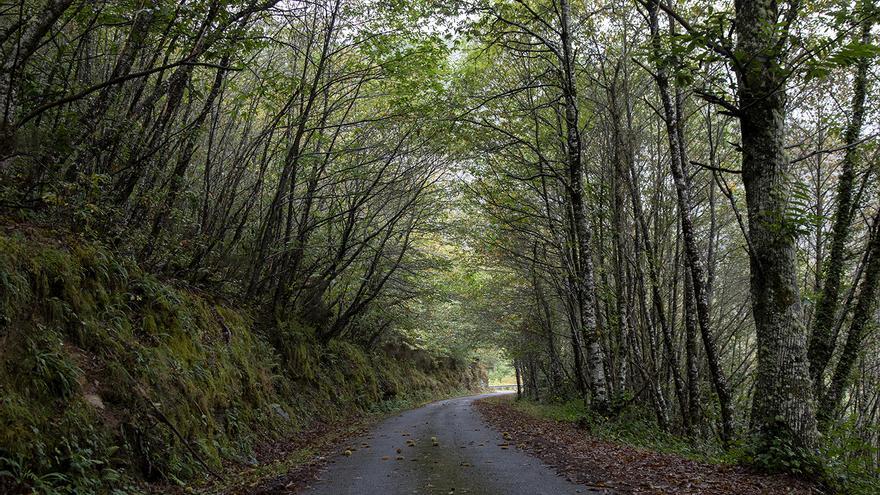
<point x="821" y="344"/>
<point x="862" y="316"/>
<point x="518" y="379"/>
<point x="693" y="373"/>
<point x="621" y="158"/>
<point x="692" y="256"/>
<point x="783" y="409"/>
<point x="586" y="289"/>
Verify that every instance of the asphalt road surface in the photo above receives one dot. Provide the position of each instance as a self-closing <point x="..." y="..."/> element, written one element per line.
<point x="442" y="448"/>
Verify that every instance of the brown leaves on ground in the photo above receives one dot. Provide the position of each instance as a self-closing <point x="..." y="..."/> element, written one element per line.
<point x="318" y="442"/>
<point x="625" y="469"/>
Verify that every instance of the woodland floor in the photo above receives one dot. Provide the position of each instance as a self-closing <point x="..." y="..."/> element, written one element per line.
<point x="625" y="469"/>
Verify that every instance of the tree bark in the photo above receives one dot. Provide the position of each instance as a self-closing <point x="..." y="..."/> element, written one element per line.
<point x="621" y="156"/>
<point x="693" y="373"/>
<point x="586" y="284"/>
<point x="516" y="367"/>
<point x="783" y="409"/>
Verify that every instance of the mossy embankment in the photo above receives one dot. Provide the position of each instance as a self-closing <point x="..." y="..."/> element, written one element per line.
<point x="110" y="377"/>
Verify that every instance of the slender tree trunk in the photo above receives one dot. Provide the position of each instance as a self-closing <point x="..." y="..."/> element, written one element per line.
<point x="861" y="319"/>
<point x="712" y="247"/>
<point x="516" y="367"/>
<point x="621" y="171"/>
<point x="586" y="284"/>
<point x="821" y="344"/>
<point x="693" y="373"/>
<point x="576" y="343"/>
<point x="692" y="256"/>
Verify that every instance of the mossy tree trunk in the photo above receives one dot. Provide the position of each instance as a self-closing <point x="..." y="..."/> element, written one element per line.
<point x="822" y="341"/>
<point x="862" y="315"/>
<point x="586" y="287"/>
<point x="783" y="409"/>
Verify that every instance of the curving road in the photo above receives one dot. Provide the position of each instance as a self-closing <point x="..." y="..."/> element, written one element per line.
<point x="442" y="448"/>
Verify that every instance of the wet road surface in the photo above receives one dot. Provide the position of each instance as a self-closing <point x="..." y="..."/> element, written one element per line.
<point x="442" y="448"/>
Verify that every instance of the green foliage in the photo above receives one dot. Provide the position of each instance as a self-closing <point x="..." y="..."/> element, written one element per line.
<point x="780" y="454"/>
<point x="848" y="459"/>
<point x="501" y="372"/>
<point x="800" y="218"/>
<point x="842" y="464"/>
<point x="100" y="363"/>
<point x="831" y="57"/>
<point x="18" y="474"/>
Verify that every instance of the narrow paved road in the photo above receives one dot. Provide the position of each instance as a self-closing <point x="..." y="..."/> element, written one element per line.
<point x="442" y="448"/>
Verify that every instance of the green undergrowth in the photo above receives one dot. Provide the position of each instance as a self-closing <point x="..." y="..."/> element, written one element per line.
<point x="110" y="377"/>
<point x="629" y="427"/>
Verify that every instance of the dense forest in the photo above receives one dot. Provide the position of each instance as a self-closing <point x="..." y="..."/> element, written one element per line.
<point x="662" y="210"/>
